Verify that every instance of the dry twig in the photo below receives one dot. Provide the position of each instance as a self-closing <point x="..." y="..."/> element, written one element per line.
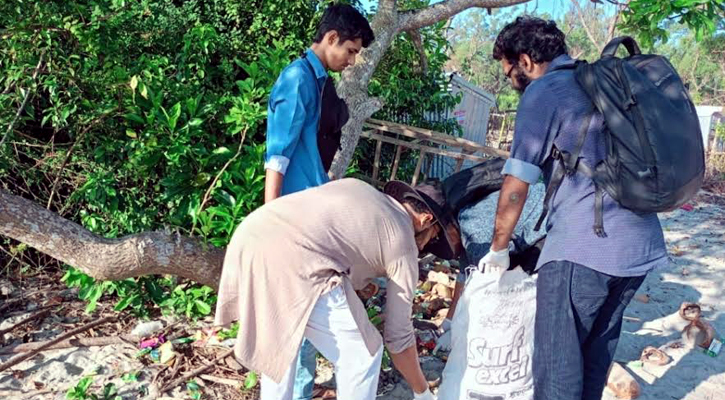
<point x="20" y="358"/>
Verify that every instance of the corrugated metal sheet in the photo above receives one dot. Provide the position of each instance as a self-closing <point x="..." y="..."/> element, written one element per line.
<point x="472" y="114"/>
<point x="709" y="117"/>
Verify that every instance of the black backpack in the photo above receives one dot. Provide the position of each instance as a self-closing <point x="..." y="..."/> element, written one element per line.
<point x="334" y="114"/>
<point x="473" y="184"/>
<point x="655" y="156"/>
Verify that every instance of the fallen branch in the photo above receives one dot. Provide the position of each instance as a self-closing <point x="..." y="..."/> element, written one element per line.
<point x="25" y="101"/>
<point x="224" y="381"/>
<point x="196" y="372"/>
<point x="68" y="343"/>
<point x="35" y="316"/>
<point x="20" y="358"/>
<point x="177" y="366"/>
<point x="102" y="258"/>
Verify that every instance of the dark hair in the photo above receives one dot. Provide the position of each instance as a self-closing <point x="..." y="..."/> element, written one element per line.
<point x="538" y="38"/>
<point x="347" y="22"/>
<point x="417" y="205"/>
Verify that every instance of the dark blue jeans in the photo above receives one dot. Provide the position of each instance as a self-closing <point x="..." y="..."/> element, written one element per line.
<point x="578" y="321"/>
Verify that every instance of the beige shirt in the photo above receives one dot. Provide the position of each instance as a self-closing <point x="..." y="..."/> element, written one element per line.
<point x="287" y="253"/>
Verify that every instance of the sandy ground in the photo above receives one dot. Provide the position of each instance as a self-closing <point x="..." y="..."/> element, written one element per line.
<point x="696" y="240"/>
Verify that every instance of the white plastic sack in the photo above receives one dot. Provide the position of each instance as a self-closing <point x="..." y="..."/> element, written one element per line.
<point x="492" y="339"/>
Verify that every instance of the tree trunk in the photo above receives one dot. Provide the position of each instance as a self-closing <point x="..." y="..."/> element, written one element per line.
<point x="108" y="259"/>
<point x="388" y="22"/>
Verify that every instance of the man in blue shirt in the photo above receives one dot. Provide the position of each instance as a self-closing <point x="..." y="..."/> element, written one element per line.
<point x="293" y="160"/>
<point x="584" y="281"/>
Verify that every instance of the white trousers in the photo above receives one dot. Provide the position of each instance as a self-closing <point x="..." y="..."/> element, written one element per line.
<point x="334" y="333"/>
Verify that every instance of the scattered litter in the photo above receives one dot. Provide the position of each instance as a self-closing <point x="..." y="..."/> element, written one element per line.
<point x="655" y="356"/>
<point x="146" y="329"/>
<point x="715" y="347"/>
<point x="166" y="353"/>
<point x="687" y="207"/>
<point x="622" y="383"/>
<point x="443" y="291"/>
<point x="152" y="342"/>
<point x="439" y="277"/>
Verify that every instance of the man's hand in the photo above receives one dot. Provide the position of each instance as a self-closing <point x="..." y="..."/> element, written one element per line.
<point x="408" y="365"/>
<point x="444" y="341"/>
<point x="495" y="261"/>
<point x="272" y="185"/>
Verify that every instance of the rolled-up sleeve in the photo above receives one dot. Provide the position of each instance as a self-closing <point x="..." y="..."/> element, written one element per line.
<point x="532" y="135"/>
<point x="286" y="114"/>
<point x="403" y="278"/>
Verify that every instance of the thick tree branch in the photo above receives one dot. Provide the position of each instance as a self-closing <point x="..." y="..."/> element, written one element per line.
<point x="145" y="253"/>
<point x="445" y="9"/>
<point x="615" y="20"/>
<point x="417" y="40"/>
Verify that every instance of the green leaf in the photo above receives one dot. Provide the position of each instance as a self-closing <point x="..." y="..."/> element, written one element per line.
<point x="84" y="384"/>
<point x="203" y="308"/>
<point x="134" y="83"/>
<point x="227" y="198"/>
<point x="130" y="377"/>
<point x="195" y="122"/>
<point x="201" y="179"/>
<point x="251" y="380"/>
<point x="174" y="116"/>
<point x="222" y="151"/>
<point x="135" y="118"/>
<point x="144" y="91"/>
<point x="109" y="391"/>
<point x="131" y="133"/>
<point x="192" y="385"/>
<point x="125" y="302"/>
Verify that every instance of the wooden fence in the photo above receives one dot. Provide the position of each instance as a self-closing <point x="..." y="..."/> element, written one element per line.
<point x="426" y="142"/>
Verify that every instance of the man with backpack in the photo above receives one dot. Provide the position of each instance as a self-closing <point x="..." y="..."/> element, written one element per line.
<point x="305" y="117"/>
<point x="607" y="175"/>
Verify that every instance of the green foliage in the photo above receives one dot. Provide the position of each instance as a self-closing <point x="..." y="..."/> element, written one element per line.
<point x="80" y="391"/>
<point x="230" y="333"/>
<point x="647" y="18"/>
<point x="156" y="97"/>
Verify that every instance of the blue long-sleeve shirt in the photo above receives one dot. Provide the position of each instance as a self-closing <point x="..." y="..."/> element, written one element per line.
<point x="293" y="115"/>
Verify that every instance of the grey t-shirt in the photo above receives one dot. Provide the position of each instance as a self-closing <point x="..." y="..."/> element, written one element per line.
<point x="477" y="220"/>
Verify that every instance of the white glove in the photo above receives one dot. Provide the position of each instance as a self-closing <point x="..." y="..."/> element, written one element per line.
<point x="443" y="343"/>
<point x="446" y="325"/>
<point x="495" y="261"/>
<point x="427" y="395"/>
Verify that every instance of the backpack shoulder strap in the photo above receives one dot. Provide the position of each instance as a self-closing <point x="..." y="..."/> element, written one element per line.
<point x="567" y="165"/>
